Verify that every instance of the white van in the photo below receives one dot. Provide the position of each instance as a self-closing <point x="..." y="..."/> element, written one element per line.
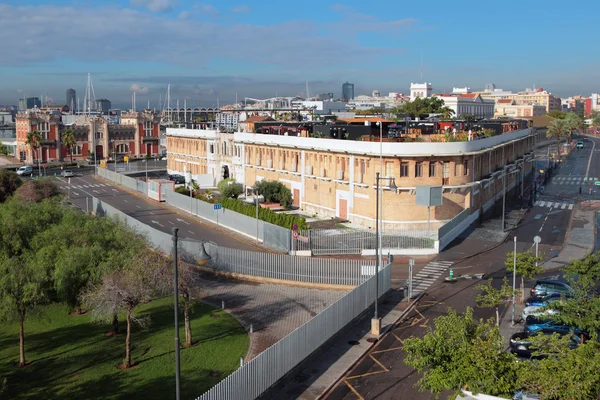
<point x="25" y="170"/>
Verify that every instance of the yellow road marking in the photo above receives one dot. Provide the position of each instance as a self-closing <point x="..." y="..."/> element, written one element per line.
<point x="379" y="363"/>
<point x="353" y="390"/>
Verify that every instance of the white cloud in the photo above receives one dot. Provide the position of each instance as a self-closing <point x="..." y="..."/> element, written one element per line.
<point x="243" y="9"/>
<point x="138" y="89"/>
<point x="206" y="9"/>
<point x="184" y="14"/>
<point x="154" y="5"/>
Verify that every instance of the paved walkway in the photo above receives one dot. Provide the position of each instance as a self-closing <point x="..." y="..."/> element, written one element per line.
<point x="316" y="375"/>
<point x="580" y="238"/>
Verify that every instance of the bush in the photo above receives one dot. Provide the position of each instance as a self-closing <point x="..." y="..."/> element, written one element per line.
<point x="9" y="183"/>
<point x="274" y="192"/>
<point x="230" y="189"/>
<point x="37" y="190"/>
<point x="182" y="190"/>
<point x="265" y="214"/>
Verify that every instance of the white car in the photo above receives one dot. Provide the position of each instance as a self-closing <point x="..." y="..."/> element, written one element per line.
<point x="536" y="310"/>
<point x="67" y="173"/>
<point x="26" y="170"/>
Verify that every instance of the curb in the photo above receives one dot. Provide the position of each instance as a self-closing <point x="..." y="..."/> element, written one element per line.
<point x="368" y="349"/>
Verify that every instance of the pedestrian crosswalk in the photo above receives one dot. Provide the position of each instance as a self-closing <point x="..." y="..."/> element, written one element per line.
<point x="99" y="185"/>
<point x="429" y="274"/>
<point x="555" y="204"/>
<point x="574" y="180"/>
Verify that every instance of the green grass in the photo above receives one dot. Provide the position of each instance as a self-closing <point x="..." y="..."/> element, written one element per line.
<point x="72" y="359"/>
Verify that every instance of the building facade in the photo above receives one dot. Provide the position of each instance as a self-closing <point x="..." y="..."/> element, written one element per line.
<point x="424" y="90"/>
<point x="529" y="96"/>
<point x="137" y="136"/>
<point x="347" y="91"/>
<point x="72" y="99"/>
<point x="508" y="108"/>
<point x="336" y="178"/>
<point x="472" y="104"/>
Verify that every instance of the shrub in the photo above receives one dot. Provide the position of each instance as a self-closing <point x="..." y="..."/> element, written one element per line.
<point x="265" y="214"/>
<point x="230" y="189"/>
<point x="9" y="183"/>
<point x="274" y="192"/>
<point x="183" y="190"/>
<point x="37" y="190"/>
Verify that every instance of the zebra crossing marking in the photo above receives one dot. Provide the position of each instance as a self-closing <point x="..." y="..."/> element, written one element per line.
<point x="551" y="204"/>
<point x="429" y="274"/>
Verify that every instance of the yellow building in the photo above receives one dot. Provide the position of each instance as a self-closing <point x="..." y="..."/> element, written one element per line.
<point x="336" y="178"/>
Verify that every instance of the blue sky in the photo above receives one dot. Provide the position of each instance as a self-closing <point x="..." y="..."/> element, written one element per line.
<point x="265" y="48"/>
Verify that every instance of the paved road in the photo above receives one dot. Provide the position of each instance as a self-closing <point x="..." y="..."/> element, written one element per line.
<point x="157" y="215"/>
<point x="382" y="374"/>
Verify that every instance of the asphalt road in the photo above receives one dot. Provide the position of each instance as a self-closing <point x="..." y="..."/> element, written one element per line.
<point x="381" y="373"/>
<point x="152" y="213"/>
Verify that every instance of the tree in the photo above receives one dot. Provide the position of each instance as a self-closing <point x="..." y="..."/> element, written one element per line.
<point x="37" y="190"/>
<point x="420" y="106"/>
<point x="573" y="123"/>
<point x="68" y="139"/>
<point x="556" y="114"/>
<point x="24" y="273"/>
<point x="274" y="191"/>
<point x="595" y="117"/>
<point x="558" y="128"/>
<point x="565" y="373"/>
<point x="492" y="297"/>
<point x="230" y="189"/>
<point x="9" y="183"/>
<point x="34" y="141"/>
<point x="461" y="353"/>
<point x="527" y="267"/>
<point x="188" y="279"/>
<point x="4" y="150"/>
<point x="124" y="290"/>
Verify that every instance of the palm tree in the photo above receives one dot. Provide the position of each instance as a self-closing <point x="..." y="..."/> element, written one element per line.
<point x="573" y="122"/>
<point x="558" y="128"/>
<point x="68" y="139"/>
<point x="34" y="141"/>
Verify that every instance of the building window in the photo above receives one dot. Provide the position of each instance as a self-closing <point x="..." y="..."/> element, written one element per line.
<point x="432" y="169"/>
<point x="465" y="167"/>
<point x="389" y="169"/>
<point x="211" y="148"/>
<point x="404" y="169"/>
<point x="446" y="173"/>
<point x="419" y="169"/>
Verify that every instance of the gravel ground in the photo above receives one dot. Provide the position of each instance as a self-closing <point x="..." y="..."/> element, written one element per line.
<point x="272" y="310"/>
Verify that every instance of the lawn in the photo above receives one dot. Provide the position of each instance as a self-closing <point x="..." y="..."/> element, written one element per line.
<point x="71" y="358"/>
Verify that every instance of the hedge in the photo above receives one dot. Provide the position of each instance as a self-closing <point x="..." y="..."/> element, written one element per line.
<point x="265" y="214"/>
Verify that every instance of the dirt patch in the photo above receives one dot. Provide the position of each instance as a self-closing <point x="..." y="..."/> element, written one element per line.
<point x="333" y="223"/>
<point x="27" y="364"/>
<point x="122" y="367"/>
<point x="78" y="313"/>
<point x="111" y="334"/>
<point x="216" y="373"/>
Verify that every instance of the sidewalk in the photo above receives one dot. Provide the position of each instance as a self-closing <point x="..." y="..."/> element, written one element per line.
<point x="314" y="376"/>
<point x="580" y="239"/>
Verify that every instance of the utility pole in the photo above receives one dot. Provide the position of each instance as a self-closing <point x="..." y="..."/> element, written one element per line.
<point x="514" y="280"/>
<point x="503" y="196"/>
<point x="176" y="306"/>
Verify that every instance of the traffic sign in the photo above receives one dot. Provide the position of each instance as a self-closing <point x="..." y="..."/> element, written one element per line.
<point x="295" y="227"/>
<point x="126" y="158"/>
<point x="217" y="206"/>
<point x="597" y="183"/>
<point x="537" y="239"/>
<point x="295" y="234"/>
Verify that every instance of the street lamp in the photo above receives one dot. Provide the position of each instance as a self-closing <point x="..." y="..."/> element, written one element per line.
<point x="254" y="188"/>
<point x="114" y="146"/>
<point x="176" y="306"/>
<point x="380" y="124"/>
<point x="376" y="322"/>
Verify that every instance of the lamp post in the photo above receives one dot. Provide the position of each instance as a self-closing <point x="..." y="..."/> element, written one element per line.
<point x="114" y="146"/>
<point x="176" y="306"/>
<point x="514" y="280"/>
<point x="380" y="124"/>
<point x="256" y="201"/>
<point x="376" y="322"/>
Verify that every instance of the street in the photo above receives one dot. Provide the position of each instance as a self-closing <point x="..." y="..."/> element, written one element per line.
<point x="84" y="185"/>
<point x="381" y="373"/>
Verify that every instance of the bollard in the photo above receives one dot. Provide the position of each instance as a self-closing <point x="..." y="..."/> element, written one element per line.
<point x="241" y="361"/>
<point x="451" y="273"/>
<point x="222" y="304"/>
<point x="250" y="328"/>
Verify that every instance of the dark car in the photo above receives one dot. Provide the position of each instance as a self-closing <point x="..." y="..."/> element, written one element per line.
<point x="541" y="301"/>
<point x="178" y="179"/>
<point x="520" y="343"/>
<point x="535" y="323"/>
<point x="547" y="287"/>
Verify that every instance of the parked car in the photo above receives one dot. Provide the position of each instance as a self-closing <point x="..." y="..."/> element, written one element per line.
<point x="534" y="323"/>
<point x="544" y="300"/>
<point x="178" y="179"/>
<point x="536" y="311"/>
<point x="67" y="173"/>
<point x="25" y="170"/>
<point x="548" y="287"/>
<point x="520" y="343"/>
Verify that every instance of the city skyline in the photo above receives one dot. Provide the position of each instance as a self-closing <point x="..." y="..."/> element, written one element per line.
<point x="209" y="51"/>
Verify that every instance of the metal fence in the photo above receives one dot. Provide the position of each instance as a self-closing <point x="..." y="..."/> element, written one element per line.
<point x="263" y="371"/>
<point x="259" y="264"/>
<point x="353" y="241"/>
<point x="300" y="269"/>
<point x="129" y="182"/>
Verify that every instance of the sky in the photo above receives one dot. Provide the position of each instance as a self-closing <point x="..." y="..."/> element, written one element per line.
<point x="212" y="51"/>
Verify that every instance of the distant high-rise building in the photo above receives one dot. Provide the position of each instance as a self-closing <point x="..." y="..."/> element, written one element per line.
<point x="71" y="99"/>
<point x="347" y="91"/>
<point x="22" y="105"/>
<point x="490" y="87"/>
<point x="103" y="105"/>
<point x="33" y="102"/>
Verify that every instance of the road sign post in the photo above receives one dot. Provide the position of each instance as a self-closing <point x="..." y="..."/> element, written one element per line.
<point x="411" y="264"/>
<point x="537" y="241"/>
<point x="217" y="207"/>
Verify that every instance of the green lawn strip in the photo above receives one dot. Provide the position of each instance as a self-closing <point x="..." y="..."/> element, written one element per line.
<point x="72" y="358"/>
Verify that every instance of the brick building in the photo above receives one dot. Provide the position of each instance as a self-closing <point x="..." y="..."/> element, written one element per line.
<point x="136" y="136"/>
<point x="336" y="178"/>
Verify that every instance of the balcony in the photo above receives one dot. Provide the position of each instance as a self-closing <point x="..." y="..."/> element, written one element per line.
<point x="45" y="142"/>
<point x="150" y="139"/>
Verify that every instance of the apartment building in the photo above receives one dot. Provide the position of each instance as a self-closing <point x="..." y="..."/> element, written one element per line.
<point x="537" y="96"/>
<point x="468" y="103"/>
<point x="136" y="136"/>
<point x="336" y="178"/>
<point x="508" y="108"/>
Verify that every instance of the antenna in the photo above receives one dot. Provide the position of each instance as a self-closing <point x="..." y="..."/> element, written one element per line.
<point x="421" y="67"/>
<point x="134" y="102"/>
<point x="185" y="110"/>
<point x="307" y="95"/>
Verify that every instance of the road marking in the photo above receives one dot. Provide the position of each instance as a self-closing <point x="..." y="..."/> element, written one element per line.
<point x="115" y="190"/>
<point x="126" y="201"/>
<point x="191" y="232"/>
<point x="570" y="206"/>
<point x="564" y="205"/>
<point x="182" y="220"/>
<point x="75" y="194"/>
<point x="587" y="171"/>
<point x="157" y="223"/>
<point x="138" y="206"/>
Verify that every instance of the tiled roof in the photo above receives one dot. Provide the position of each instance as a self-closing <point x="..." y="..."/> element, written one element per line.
<point x="469" y="95"/>
<point x="257" y="118"/>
